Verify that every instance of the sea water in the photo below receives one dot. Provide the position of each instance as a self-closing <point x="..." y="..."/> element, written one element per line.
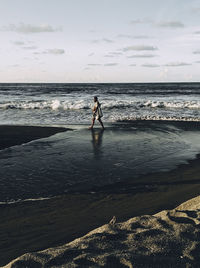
<point x="132" y="145"/>
<point x="71" y="103"/>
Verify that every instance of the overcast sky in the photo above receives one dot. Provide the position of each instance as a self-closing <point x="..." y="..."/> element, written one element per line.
<point x="99" y="40"/>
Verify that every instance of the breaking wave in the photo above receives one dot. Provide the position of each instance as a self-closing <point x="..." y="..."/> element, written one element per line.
<point x="53" y="105"/>
<point x="109" y="104"/>
<point x="157" y="118"/>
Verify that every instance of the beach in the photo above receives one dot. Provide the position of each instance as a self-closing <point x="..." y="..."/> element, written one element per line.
<point x="99" y="134"/>
<point x="169" y="238"/>
<point x="33" y="225"/>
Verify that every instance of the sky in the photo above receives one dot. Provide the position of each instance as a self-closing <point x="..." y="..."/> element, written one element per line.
<point x="78" y="41"/>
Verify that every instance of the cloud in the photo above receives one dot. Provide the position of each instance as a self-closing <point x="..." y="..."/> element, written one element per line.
<point x="142" y="56"/>
<point x="109" y="56"/>
<point x="196" y="52"/>
<point x="116" y="53"/>
<point x="91" y="54"/>
<point x="177" y="64"/>
<point x="124" y="36"/>
<point x="93" y="31"/>
<point x="164" y="24"/>
<point x="133" y="36"/>
<point x="27" y="58"/>
<point x="197" y="32"/>
<point x="54" y="51"/>
<point x="170" y="24"/>
<point x="30" y="29"/>
<point x="150" y="65"/>
<point x="141" y="37"/>
<point x="139" y="48"/>
<point x="132" y="64"/>
<point x="105" y="40"/>
<point x="14" y="65"/>
<point x="137" y="21"/>
<point x="30" y="47"/>
<point x="141" y="21"/>
<point x="111" y="64"/>
<point x="94" y="64"/>
<point x="113" y="54"/>
<point x="198" y="61"/>
<point x="18" y="43"/>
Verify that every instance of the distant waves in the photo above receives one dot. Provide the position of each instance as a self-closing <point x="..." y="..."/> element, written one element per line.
<point x="71" y="103"/>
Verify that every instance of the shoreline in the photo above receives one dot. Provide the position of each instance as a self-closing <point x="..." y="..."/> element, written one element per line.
<point x="53" y="222"/>
<point x="36" y="225"/>
<point x="169" y="238"/>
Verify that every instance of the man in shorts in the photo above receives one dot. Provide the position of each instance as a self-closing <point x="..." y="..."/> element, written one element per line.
<point x="97" y="113"/>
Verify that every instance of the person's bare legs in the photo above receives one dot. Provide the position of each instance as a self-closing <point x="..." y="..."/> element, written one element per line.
<point x="101" y="123"/>
<point x="93" y="120"/>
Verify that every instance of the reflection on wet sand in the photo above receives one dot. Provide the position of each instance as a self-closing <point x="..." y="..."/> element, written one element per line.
<point x="97" y="136"/>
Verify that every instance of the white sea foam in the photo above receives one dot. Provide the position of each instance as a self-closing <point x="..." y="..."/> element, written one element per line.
<point x="156" y="118"/>
<point x="108" y="104"/>
<point x="25" y="200"/>
<point x="53" y="105"/>
<point x="171" y="104"/>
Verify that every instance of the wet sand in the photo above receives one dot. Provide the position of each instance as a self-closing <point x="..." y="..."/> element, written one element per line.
<point x="32" y="226"/>
<point x="37" y="225"/>
<point x="16" y="135"/>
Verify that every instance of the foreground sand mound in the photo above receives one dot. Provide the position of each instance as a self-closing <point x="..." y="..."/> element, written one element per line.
<point x="167" y="239"/>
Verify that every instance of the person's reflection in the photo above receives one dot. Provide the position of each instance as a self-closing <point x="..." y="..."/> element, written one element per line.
<point x="97" y="135"/>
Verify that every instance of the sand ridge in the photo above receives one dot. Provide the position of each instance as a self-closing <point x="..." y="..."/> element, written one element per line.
<point x="170" y="238"/>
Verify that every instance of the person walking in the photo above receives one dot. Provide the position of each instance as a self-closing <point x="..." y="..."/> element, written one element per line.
<point x="97" y="113"/>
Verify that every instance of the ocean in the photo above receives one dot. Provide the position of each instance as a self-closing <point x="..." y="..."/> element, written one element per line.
<point x="149" y="128"/>
<point x="49" y="104"/>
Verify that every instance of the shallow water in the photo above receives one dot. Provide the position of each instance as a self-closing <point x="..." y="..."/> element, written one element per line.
<point x="80" y="159"/>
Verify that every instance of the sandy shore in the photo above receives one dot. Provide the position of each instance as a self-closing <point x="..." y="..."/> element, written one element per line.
<point x="166" y="239"/>
<point x="16" y="135"/>
<point x="32" y="226"/>
<point x="36" y="225"/>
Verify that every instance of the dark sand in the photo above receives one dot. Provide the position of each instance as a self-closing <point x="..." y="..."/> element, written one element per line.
<point x="33" y="226"/>
<point x="16" y="135"/>
<point x="36" y="225"/>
